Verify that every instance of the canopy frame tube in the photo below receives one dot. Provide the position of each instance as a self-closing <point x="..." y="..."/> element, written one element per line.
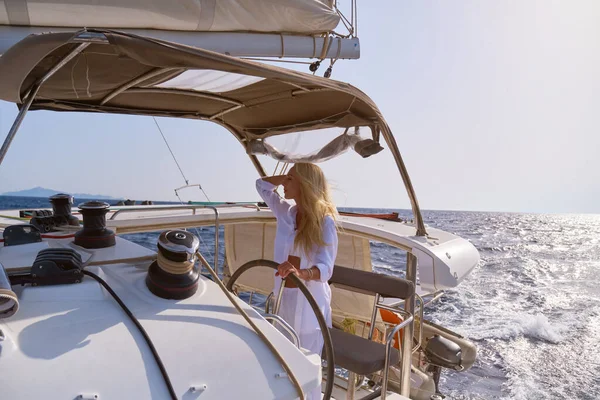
<point x="30" y="96"/>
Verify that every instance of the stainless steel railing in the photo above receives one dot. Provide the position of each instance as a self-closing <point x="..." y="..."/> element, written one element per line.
<point x="192" y="207"/>
<point x="287" y="327"/>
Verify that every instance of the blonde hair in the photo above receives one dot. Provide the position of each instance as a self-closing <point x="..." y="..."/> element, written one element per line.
<point x="315" y="198"/>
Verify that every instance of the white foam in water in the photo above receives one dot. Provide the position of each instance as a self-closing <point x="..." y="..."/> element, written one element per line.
<point x="538" y="327"/>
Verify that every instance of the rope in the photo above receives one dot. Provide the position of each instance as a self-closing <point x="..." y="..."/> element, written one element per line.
<point x="325" y="48"/>
<point x="260" y="334"/>
<point x="173" y="267"/>
<point x="9" y="303"/>
<point x="137" y="323"/>
<point x="169" y="147"/>
<point x="16" y="218"/>
<point x="347" y="24"/>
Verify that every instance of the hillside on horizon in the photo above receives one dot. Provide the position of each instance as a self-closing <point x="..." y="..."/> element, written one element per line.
<point x="44" y="192"/>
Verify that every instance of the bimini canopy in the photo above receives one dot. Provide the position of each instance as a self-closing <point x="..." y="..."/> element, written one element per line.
<point x="124" y="73"/>
<point x="292" y="16"/>
<point x="114" y="72"/>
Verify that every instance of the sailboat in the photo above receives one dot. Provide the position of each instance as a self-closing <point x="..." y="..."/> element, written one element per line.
<point x="87" y="314"/>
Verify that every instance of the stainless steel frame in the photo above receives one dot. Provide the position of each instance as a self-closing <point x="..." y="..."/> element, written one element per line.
<point x="409" y="307"/>
<point x="30" y="96"/>
<point x="288" y="328"/>
<point x="279" y="296"/>
<point x="192" y="207"/>
<point x="406" y="359"/>
<point x="421" y="312"/>
<point x="268" y="303"/>
<point x="391" y="142"/>
<point x="405" y="371"/>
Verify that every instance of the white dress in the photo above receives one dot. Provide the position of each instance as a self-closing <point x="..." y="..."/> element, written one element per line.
<point x="294" y="306"/>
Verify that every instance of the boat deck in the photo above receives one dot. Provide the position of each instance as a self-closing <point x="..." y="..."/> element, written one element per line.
<point x="82" y="327"/>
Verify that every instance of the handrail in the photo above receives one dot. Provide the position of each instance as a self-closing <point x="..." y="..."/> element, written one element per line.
<point x="268" y="303"/>
<point x="288" y="328"/>
<point x="421" y="316"/>
<point x="388" y="349"/>
<point x="192" y="207"/>
<point x="183" y="207"/>
<point x="406" y="361"/>
<point x="434" y="296"/>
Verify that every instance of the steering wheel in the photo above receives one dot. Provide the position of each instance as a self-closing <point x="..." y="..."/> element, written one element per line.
<point x="328" y="345"/>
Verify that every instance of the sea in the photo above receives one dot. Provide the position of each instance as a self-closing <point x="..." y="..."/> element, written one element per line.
<point x="532" y="305"/>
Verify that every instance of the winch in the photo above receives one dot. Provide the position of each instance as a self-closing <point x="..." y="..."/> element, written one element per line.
<point x="174" y="275"/>
<point x="94" y="234"/>
<point x="50" y="221"/>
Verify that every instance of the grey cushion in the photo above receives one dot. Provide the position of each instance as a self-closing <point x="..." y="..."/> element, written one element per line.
<point x="371" y="283"/>
<point x="360" y="355"/>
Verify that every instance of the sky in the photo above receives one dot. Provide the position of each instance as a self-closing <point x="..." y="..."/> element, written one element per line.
<point x="495" y="107"/>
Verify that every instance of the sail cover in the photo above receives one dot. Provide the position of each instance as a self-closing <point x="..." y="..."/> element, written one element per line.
<point x="289" y="16"/>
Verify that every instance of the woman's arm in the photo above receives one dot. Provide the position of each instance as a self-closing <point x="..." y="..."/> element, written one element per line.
<point x="266" y="189"/>
<point x="308" y="274"/>
<point x="324" y="259"/>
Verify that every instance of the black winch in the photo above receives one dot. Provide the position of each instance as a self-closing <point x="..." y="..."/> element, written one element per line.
<point x="49" y="221"/>
<point x="94" y="234"/>
<point x="61" y="206"/>
<point x="173" y="275"/>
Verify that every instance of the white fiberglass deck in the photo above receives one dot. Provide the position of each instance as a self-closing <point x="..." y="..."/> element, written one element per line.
<point x="71" y="340"/>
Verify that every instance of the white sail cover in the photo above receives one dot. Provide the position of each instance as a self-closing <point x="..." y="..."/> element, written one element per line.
<point x="289" y="16"/>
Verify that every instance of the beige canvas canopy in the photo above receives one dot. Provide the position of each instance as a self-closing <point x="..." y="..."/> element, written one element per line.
<point x="114" y="72"/>
<point x="135" y="75"/>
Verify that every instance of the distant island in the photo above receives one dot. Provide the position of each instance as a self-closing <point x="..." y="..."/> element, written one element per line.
<point x="43" y="192"/>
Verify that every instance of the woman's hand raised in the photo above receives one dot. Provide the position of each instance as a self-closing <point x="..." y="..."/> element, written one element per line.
<point x="277" y="179"/>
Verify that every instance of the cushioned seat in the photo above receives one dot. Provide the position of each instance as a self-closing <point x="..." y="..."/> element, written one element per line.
<point x="359" y="355"/>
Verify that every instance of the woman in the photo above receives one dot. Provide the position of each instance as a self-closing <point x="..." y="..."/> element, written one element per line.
<point x="306" y="230"/>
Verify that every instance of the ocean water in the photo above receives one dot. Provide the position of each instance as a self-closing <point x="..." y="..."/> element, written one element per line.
<point x="532" y="306"/>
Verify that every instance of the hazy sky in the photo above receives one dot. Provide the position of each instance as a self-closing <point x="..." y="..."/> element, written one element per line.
<point x="495" y="106"/>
